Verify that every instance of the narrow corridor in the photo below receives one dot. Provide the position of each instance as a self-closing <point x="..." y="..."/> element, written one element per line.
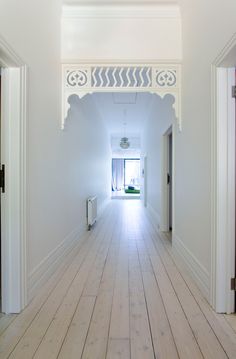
<point x="119" y="294"/>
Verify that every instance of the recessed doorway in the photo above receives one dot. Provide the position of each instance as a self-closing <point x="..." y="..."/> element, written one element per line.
<point x="13" y="199"/>
<point x="223" y="181"/>
<point x="167" y="182"/>
<point x="125" y="178"/>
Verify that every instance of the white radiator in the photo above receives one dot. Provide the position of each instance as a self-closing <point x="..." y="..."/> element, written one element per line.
<point x="91" y="211"/>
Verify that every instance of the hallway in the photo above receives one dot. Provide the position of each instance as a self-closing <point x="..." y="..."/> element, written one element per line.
<point x="119" y="294"/>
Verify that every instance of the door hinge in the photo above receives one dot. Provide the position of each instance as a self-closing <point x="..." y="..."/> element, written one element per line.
<point x="234" y="91"/>
<point x="233" y="284"/>
<point x="2" y="178"/>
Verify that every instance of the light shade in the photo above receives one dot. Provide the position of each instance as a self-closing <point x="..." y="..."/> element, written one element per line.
<point x="124" y="143"/>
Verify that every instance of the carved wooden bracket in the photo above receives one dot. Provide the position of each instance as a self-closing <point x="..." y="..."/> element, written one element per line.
<point x="82" y="79"/>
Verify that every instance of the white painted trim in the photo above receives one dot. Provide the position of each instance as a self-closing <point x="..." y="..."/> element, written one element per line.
<point x="222" y="175"/>
<point x="13" y="153"/>
<point x="199" y="273"/>
<point x="231" y="191"/>
<point x="39" y="276"/>
<point x="122" y="62"/>
<point x="8" y="57"/>
<point x="196" y="269"/>
<point x="145" y="184"/>
<point x="162" y="11"/>
<point x="164" y="225"/>
<point x="83" y="79"/>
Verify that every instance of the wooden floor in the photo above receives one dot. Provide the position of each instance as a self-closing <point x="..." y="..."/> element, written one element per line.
<point x="120" y="294"/>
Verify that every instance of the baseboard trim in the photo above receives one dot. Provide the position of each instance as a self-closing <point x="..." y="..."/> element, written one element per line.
<point x="198" y="272"/>
<point x="39" y="276"/>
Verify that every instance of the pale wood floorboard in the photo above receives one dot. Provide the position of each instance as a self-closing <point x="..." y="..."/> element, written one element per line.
<point x="121" y="293"/>
<point x="5" y="321"/>
<point x="231" y="319"/>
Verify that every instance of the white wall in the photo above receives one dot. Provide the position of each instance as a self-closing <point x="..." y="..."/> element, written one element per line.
<point x="207" y="27"/>
<point x="116" y="33"/>
<point x="63" y="167"/>
<point x="162" y="116"/>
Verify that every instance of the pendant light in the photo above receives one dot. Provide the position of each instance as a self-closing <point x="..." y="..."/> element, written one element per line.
<point x="124" y="141"/>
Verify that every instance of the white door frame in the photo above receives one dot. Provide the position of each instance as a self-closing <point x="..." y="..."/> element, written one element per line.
<point x="144" y="174"/>
<point x="223" y="179"/>
<point x="13" y="153"/>
<point x="164" y="224"/>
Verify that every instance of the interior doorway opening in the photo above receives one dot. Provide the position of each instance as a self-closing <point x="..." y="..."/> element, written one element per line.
<point x="167" y="182"/>
<point x="0" y="202"/>
<point x="223" y="179"/>
<point x="126" y="178"/>
<point x="13" y="200"/>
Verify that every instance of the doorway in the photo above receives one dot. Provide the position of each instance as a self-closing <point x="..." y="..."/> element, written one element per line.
<point x="223" y="181"/>
<point x="0" y="203"/>
<point x="166" y="224"/>
<point x="13" y="200"/>
<point x="126" y="178"/>
<point x="170" y="179"/>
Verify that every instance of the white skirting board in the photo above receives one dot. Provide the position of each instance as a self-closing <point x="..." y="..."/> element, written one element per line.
<point x="38" y="277"/>
<point x="157" y="217"/>
<point x="196" y="269"/>
<point x="199" y="274"/>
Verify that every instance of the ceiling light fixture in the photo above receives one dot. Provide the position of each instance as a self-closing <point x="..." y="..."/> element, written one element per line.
<point x="124" y="141"/>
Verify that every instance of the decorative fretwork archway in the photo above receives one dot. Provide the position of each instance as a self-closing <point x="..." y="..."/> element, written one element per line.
<point x="83" y="79"/>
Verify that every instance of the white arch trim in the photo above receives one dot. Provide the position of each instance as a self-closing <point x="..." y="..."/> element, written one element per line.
<point x="82" y="79"/>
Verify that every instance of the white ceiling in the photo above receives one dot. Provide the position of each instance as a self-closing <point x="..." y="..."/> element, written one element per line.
<point x="119" y="108"/>
<point x="124" y="114"/>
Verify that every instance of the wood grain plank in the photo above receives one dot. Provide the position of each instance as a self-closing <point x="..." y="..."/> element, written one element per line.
<point x="221" y="328"/>
<point x="16" y="330"/>
<point x="231" y="319"/>
<point x="140" y="335"/>
<point x="97" y="339"/>
<point x="53" y="339"/>
<point x="119" y="328"/>
<point x="163" y="341"/>
<point x="207" y="341"/>
<point x="118" y="349"/>
<point x="123" y="293"/>
<point x="33" y="336"/>
<point x="5" y="321"/>
<point x="76" y="335"/>
<point x="183" y="335"/>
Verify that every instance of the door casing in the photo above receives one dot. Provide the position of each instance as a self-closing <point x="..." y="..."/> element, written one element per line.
<point x="223" y="180"/>
<point x="13" y="153"/>
<point x="164" y="225"/>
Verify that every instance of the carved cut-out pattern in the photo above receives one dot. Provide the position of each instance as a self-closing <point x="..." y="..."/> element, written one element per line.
<point x="83" y="79"/>
<point x="135" y="77"/>
<point x="76" y="78"/>
<point x="121" y="77"/>
<point x="166" y="78"/>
